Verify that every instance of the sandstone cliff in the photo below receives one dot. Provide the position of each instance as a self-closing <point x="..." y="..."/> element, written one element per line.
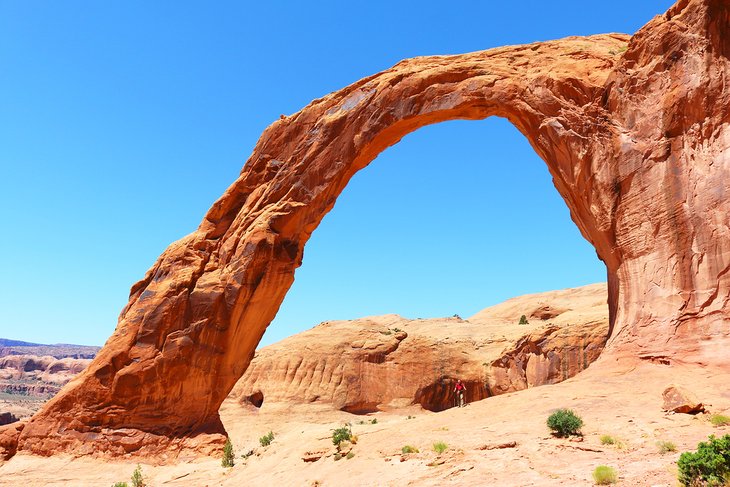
<point x="386" y="362"/>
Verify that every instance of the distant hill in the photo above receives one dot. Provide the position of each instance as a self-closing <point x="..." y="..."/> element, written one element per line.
<point x="58" y="350"/>
<point x="4" y="342"/>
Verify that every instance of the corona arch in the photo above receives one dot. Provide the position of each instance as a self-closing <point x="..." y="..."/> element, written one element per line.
<point x="637" y="144"/>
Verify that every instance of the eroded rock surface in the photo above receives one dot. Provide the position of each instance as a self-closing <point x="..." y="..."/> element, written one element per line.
<point x="634" y="132"/>
<point x="385" y="362"/>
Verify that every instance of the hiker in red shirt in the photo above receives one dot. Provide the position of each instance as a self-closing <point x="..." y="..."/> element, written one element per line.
<point x="460" y="390"/>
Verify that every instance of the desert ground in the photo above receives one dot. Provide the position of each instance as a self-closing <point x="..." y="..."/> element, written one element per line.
<point x="622" y="401"/>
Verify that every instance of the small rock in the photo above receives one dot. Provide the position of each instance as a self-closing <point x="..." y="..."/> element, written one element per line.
<point x="679" y="400"/>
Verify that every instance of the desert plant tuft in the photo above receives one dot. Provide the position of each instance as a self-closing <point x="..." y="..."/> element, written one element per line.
<point x="341" y="434"/>
<point x="137" y="479"/>
<point x="564" y="422"/>
<point x="374" y="421"/>
<point x="120" y="484"/>
<point x="608" y="440"/>
<point x="228" y="454"/>
<point x="409" y="449"/>
<point x="523" y="320"/>
<point x="267" y="439"/>
<point x="666" y="446"/>
<point x="708" y="466"/>
<point x="350" y="455"/>
<point x="604" y="475"/>
<point x="440" y="447"/>
<point x="720" y="420"/>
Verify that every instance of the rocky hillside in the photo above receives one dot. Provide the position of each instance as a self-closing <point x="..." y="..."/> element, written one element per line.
<point x="31" y="373"/>
<point x="388" y="362"/>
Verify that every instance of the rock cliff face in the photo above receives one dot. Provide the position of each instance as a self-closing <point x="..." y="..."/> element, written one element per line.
<point x="634" y="132"/>
<point x="384" y="362"/>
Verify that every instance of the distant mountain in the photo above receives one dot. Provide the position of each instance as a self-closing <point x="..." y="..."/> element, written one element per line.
<point x="58" y="350"/>
<point x="4" y="342"/>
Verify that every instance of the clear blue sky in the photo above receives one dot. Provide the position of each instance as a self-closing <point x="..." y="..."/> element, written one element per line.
<point x="122" y="122"/>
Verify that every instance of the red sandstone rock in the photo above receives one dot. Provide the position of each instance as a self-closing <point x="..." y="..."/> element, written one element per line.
<point x="680" y="400"/>
<point x="9" y="439"/>
<point x="637" y="143"/>
<point x="387" y="362"/>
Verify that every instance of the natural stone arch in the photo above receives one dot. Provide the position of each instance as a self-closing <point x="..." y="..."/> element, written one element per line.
<point x="607" y="123"/>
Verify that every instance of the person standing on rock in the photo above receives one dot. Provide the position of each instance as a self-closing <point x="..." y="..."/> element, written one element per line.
<point x="460" y="390"/>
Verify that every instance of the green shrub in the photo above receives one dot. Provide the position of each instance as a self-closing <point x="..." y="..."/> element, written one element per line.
<point x="564" y="422"/>
<point x="708" y="466"/>
<point x="409" y="449"/>
<point x="137" y="480"/>
<point x="120" y="484"/>
<point x="374" y="421"/>
<point x="523" y="320"/>
<point x="227" y="454"/>
<point x="608" y="440"/>
<point x="440" y="447"/>
<point x="341" y="434"/>
<point x="604" y="475"/>
<point x="666" y="446"/>
<point x="720" y="420"/>
<point x="267" y="439"/>
<point x="350" y="455"/>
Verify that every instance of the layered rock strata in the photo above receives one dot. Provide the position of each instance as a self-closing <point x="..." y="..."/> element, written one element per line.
<point x="633" y="130"/>
<point x="384" y="362"/>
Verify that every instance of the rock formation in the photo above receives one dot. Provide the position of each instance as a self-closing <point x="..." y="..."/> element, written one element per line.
<point x="384" y="362"/>
<point x="634" y="132"/>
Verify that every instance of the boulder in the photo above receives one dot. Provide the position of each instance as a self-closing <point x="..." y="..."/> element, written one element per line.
<point x="680" y="400"/>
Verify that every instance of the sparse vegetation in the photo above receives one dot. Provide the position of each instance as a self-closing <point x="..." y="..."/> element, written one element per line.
<point x="708" y="466"/>
<point x="397" y="330"/>
<point x="374" y="421"/>
<point x="608" y="440"/>
<point x="267" y="439"/>
<point x="247" y="454"/>
<point x="620" y="50"/>
<point x="409" y="449"/>
<point x="350" y="455"/>
<point x="604" y="475"/>
<point x="341" y="434"/>
<point x="564" y="422"/>
<point x="523" y="320"/>
<point x="228" y="454"/>
<point x="440" y="447"/>
<point x="613" y="441"/>
<point x="720" y="420"/>
<point x="137" y="479"/>
<point x="666" y="446"/>
<point x="120" y="484"/>
<point x="411" y="417"/>
<point x="337" y="457"/>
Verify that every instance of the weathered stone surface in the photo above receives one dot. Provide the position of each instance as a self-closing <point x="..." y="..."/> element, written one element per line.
<point x="637" y="143"/>
<point x="9" y="439"/>
<point x="388" y="362"/>
<point x="680" y="400"/>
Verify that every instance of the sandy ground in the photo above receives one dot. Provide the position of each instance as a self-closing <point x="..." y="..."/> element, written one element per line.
<point x="621" y="401"/>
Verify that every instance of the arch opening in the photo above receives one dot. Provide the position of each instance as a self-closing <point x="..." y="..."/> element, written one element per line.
<point x="465" y="216"/>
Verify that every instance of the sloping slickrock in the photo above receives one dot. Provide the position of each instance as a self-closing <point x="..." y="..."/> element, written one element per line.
<point x="635" y="132"/>
<point x="384" y="362"/>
